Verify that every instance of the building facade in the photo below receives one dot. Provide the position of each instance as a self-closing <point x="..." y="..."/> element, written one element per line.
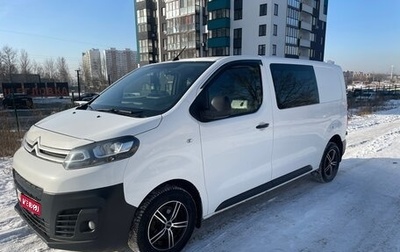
<point x="91" y="63"/>
<point x="102" y="68"/>
<point x="198" y="28"/>
<point x="118" y="63"/>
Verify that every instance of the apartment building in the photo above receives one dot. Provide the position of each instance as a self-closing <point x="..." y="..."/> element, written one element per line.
<point x="198" y="28"/>
<point x="119" y="62"/>
<point x="100" y="68"/>
<point x="91" y="60"/>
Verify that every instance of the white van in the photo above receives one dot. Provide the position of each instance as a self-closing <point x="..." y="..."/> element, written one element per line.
<point x="174" y="143"/>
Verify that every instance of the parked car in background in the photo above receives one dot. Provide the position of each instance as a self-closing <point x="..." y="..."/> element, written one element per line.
<point x="18" y="100"/>
<point x="85" y="97"/>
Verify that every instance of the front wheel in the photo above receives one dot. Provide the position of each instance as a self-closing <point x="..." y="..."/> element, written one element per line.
<point x="164" y="221"/>
<point x="329" y="165"/>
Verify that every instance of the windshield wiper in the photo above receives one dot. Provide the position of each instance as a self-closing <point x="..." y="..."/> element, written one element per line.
<point x="122" y="111"/>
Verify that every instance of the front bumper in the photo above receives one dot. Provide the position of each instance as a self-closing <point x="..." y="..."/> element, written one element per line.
<point x="64" y="219"/>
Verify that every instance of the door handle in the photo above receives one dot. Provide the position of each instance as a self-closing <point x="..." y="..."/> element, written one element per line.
<point x="262" y="126"/>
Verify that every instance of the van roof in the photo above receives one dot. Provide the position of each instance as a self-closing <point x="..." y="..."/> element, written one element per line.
<point x="266" y="59"/>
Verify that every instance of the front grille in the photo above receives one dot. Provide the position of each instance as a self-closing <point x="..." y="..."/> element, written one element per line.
<point x="45" y="152"/>
<point x="36" y="222"/>
<point x="66" y="223"/>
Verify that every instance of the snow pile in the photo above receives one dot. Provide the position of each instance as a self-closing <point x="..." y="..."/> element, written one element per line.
<point x="358" y="211"/>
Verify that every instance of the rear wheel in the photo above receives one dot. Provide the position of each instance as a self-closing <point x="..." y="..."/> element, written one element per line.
<point x="329" y="165"/>
<point x="164" y="221"/>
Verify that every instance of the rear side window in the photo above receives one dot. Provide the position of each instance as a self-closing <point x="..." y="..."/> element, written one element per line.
<point x="295" y="85"/>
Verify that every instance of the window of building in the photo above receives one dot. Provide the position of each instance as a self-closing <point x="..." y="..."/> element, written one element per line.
<point x="292" y="35"/>
<point x="143" y="27"/>
<point x="275" y="33"/>
<point x="295" y="85"/>
<point x="263" y="10"/>
<point x="237" y="51"/>
<point x="262" y="30"/>
<point x="294" y="3"/>
<point x="325" y="7"/>
<point x="292" y="51"/>
<point x="217" y="14"/>
<point x="220" y="51"/>
<point x="273" y="49"/>
<point x="261" y="49"/>
<point x="237" y="41"/>
<point x="293" y="17"/>
<point x="217" y="33"/>
<point x="235" y="91"/>
<point x="276" y="9"/>
<point x="164" y="44"/>
<point x="237" y="9"/>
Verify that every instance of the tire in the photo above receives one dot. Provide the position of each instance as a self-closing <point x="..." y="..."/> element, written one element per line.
<point x="329" y="165"/>
<point x="164" y="221"/>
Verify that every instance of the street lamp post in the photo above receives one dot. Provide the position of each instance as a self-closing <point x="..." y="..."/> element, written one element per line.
<point x="79" y="84"/>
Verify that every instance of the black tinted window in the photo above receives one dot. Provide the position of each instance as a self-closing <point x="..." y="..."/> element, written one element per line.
<point x="295" y="85"/>
<point x="235" y="90"/>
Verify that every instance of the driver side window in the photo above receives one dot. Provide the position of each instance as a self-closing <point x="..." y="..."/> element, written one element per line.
<point x="235" y="90"/>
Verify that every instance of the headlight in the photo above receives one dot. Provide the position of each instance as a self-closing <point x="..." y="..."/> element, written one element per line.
<point x="101" y="152"/>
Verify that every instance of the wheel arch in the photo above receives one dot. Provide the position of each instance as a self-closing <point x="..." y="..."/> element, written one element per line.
<point x="338" y="141"/>
<point x="192" y="190"/>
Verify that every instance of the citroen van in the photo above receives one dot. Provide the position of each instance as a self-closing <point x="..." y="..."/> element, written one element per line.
<point x="174" y="143"/>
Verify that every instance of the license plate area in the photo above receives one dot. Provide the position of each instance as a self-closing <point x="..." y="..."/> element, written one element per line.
<point x="29" y="204"/>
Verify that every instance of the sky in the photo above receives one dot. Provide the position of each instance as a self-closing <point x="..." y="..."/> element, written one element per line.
<point x="362" y="35"/>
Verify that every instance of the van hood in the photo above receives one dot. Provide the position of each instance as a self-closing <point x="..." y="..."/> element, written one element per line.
<point x="95" y="125"/>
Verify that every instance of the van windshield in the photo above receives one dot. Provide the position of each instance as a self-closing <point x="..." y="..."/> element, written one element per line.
<point x="150" y="90"/>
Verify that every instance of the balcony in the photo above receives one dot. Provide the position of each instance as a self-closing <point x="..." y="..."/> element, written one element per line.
<point x="305" y="43"/>
<point x="219" y="23"/>
<point x="218" y="42"/>
<point x="305" y="26"/>
<point x="220" y="4"/>
<point x="304" y="53"/>
<point x="306" y="8"/>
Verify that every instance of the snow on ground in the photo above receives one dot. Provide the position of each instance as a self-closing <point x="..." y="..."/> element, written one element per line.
<point x="358" y="211"/>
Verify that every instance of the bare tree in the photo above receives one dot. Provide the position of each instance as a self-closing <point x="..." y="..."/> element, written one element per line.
<point x="24" y="63"/>
<point x="2" y="67"/>
<point x="37" y="68"/>
<point x="49" y="69"/>
<point x="62" y="70"/>
<point x="9" y="62"/>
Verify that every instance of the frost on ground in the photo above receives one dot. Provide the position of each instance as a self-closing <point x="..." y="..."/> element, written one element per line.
<point x="358" y="211"/>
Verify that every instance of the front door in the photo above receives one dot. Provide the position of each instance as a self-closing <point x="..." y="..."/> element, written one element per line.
<point x="236" y="130"/>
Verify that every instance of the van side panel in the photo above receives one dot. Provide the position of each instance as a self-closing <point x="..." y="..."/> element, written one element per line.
<point x="298" y="139"/>
<point x="302" y="133"/>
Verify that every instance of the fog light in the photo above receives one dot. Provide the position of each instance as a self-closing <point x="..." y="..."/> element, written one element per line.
<point x="91" y="225"/>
